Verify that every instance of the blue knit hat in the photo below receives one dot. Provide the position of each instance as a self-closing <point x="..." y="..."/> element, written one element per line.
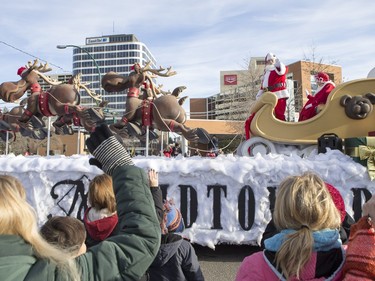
<point x="175" y="222"/>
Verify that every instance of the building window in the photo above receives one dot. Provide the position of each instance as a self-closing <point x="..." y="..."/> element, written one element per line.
<point x="110" y="55"/>
<point x="110" y="48"/>
<point x="99" y="49"/>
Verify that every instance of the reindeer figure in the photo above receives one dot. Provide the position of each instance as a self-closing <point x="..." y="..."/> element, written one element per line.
<point x="164" y="113"/>
<point x="9" y="122"/>
<point x="12" y="91"/>
<point x="62" y="99"/>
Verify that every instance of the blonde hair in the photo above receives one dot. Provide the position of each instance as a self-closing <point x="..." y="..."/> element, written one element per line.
<point x="303" y="203"/>
<point x="101" y="193"/>
<point x="17" y="217"/>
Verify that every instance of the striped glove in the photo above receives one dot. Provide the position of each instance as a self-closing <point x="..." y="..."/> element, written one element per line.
<point x="109" y="153"/>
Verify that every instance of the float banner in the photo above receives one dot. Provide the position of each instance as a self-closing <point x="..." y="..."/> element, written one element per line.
<point x="222" y="200"/>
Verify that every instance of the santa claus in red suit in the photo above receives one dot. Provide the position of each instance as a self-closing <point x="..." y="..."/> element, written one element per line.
<point x="315" y="102"/>
<point x="274" y="81"/>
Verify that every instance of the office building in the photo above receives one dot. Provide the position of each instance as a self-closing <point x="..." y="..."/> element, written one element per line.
<point x="116" y="53"/>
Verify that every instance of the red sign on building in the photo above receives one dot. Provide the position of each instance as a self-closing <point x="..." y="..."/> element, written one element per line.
<point x="230" y="79"/>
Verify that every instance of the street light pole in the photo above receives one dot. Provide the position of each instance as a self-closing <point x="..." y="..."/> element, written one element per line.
<point x="90" y="56"/>
<point x="100" y="81"/>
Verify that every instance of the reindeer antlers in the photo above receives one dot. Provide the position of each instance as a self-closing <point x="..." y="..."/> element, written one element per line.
<point x="42" y="68"/>
<point x="159" y="72"/>
<point x="77" y="84"/>
<point x="39" y="70"/>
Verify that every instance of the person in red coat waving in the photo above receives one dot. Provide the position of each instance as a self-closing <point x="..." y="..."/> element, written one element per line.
<point x="314" y="105"/>
<point x="274" y="80"/>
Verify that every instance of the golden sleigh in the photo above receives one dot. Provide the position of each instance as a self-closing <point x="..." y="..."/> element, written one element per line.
<point x="347" y="113"/>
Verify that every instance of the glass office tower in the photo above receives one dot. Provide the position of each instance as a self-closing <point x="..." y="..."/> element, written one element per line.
<point x="109" y="53"/>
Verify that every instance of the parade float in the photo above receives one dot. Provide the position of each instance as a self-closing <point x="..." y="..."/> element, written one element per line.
<point x="348" y="113"/>
<point x="226" y="199"/>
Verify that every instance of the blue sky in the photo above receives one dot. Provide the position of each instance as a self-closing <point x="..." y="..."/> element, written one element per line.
<point x="197" y="38"/>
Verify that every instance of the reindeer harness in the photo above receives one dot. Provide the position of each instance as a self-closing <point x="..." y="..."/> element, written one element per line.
<point x="43" y="104"/>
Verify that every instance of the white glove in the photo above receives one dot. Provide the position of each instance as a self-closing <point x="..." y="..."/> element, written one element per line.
<point x="260" y="92"/>
<point x="277" y="62"/>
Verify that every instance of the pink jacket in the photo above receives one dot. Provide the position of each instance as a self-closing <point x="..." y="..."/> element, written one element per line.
<point x="257" y="268"/>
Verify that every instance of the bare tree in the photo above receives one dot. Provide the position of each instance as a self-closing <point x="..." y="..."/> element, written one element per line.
<point x="313" y="63"/>
<point x="16" y="145"/>
<point x="317" y="63"/>
<point x="236" y="104"/>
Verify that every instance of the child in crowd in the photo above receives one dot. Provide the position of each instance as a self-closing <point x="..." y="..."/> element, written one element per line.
<point x="346" y="219"/>
<point x="101" y="220"/>
<point x="176" y="259"/>
<point x="173" y="220"/>
<point x="308" y="246"/>
<point x="25" y="255"/>
<point x="101" y="217"/>
<point x="66" y="233"/>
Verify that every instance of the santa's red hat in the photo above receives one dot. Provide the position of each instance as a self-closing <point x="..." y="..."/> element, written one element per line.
<point x="21" y="70"/>
<point x="321" y="77"/>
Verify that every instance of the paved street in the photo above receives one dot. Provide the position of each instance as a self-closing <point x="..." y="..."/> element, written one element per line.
<point x="222" y="263"/>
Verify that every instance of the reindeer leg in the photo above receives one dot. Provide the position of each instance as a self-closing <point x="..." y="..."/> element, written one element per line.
<point x="132" y="107"/>
<point x="84" y="115"/>
<point x="127" y="117"/>
<point x="3" y="136"/>
<point x="62" y="125"/>
<point x="31" y="109"/>
<point x="37" y="122"/>
<point x="173" y="126"/>
<point x="39" y="134"/>
<point x="4" y="126"/>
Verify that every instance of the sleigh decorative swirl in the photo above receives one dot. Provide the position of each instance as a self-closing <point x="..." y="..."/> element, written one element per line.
<point x="347" y="113"/>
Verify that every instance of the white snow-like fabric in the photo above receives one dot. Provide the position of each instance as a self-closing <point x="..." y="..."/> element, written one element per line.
<point x="69" y="176"/>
